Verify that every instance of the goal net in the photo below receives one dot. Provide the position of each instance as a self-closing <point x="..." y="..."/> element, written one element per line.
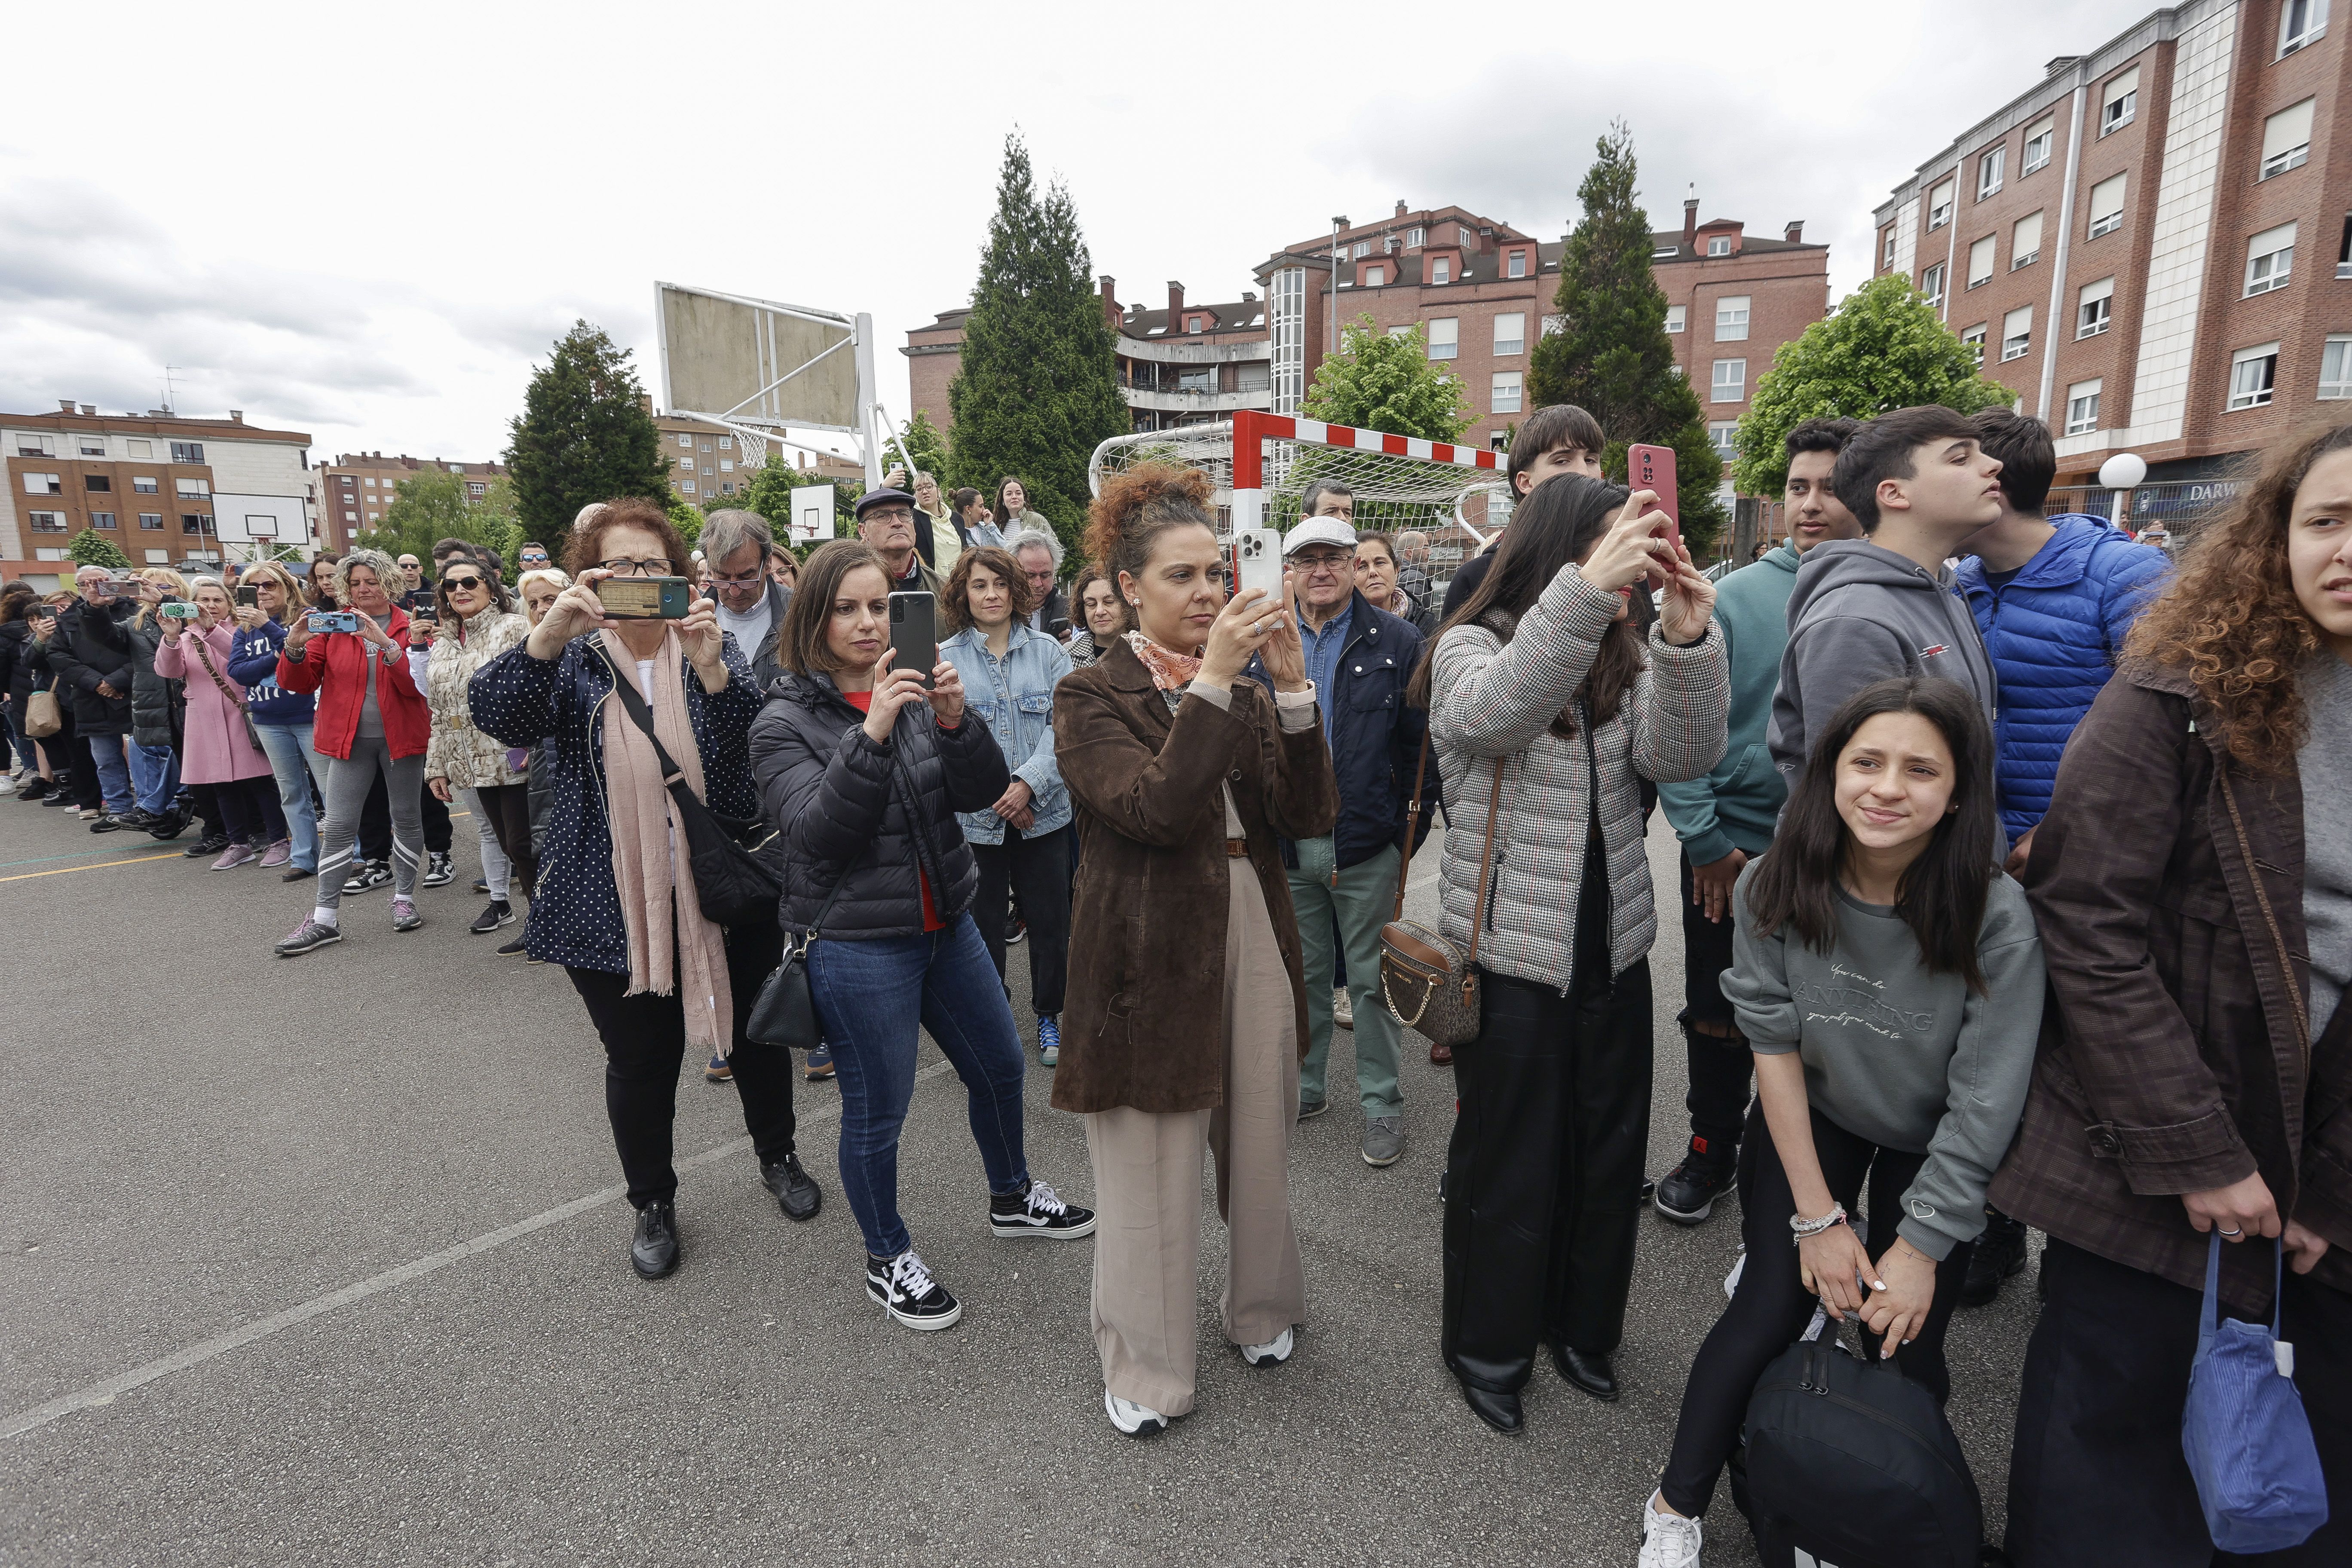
<point x="1260" y="467"/>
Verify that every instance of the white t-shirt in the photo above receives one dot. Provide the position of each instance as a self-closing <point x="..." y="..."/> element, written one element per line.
<point x="749" y="629"/>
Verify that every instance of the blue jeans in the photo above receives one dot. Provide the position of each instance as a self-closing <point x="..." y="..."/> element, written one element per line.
<point x="292" y="759"/>
<point x="871" y="999"/>
<point x="154" y="777"/>
<point x="113" y="773"/>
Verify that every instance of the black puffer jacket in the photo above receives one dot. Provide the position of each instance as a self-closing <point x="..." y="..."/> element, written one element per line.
<point x="849" y="808"/>
<point x="16" y="660"/>
<point x="82" y="662"/>
<point x="153" y="698"/>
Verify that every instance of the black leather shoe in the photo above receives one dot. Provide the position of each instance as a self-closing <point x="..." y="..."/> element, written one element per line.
<point x="1589" y="1371"/>
<point x="2000" y="1252"/>
<point x="797" y="1191"/>
<point x="1500" y="1411"/>
<point x="653" y="1251"/>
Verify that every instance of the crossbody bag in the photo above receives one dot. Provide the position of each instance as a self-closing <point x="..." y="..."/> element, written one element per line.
<point x="1428" y="982"/>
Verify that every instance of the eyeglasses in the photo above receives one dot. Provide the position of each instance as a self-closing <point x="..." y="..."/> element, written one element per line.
<point x="534" y="559"/>
<point x="1322" y="563"/>
<point x="455" y="584"/>
<point x="889" y="514"/>
<point x="652" y="566"/>
<point x="757" y="574"/>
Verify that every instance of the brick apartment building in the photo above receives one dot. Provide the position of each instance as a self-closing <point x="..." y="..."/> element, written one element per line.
<point x="145" y="481"/>
<point x="1480" y="289"/>
<point x="708" y="462"/>
<point x="355" y="489"/>
<point x="2151" y="245"/>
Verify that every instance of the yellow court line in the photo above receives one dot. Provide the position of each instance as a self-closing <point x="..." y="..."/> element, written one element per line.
<point x="101" y="866"/>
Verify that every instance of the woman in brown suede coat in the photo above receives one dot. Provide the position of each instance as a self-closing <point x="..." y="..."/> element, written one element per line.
<point x="1186" y="1015"/>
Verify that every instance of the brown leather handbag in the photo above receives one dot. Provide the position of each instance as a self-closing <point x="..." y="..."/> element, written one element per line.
<point x="1430" y="983"/>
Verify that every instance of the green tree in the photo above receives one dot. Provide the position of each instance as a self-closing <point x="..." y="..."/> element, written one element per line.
<point x="91" y="548"/>
<point x="1611" y="356"/>
<point x="1039" y="386"/>
<point x="927" y="445"/>
<point x="434" y="504"/>
<point x="1387" y="381"/>
<point x="769" y="492"/>
<point x="686" y="518"/>
<point x="585" y="433"/>
<point x="1881" y="349"/>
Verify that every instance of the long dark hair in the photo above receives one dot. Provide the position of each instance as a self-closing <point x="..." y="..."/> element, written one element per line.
<point x="1557" y="524"/>
<point x="1942" y="898"/>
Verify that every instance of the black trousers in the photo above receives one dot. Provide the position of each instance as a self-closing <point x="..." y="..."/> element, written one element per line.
<point x="1771" y="1306"/>
<point x="1037" y="871"/>
<point x="2096" y="1474"/>
<point x="1543" y="1180"/>
<point x="375" y="823"/>
<point x="645" y="1046"/>
<point x="81" y="768"/>
<point x="509" y="809"/>
<point x="249" y="811"/>
<point x="1719" y="1064"/>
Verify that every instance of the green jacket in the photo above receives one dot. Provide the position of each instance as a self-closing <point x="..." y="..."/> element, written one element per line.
<point x="1735" y="806"/>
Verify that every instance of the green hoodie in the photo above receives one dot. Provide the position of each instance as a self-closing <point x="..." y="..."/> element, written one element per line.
<point x="1736" y="805"/>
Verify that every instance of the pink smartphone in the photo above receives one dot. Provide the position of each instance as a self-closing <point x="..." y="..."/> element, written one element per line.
<point x="1653" y="468"/>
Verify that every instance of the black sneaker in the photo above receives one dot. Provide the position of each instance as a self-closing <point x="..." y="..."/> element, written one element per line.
<point x="653" y="1249"/>
<point x="499" y="913"/>
<point x="1999" y="1252"/>
<point x="514" y="949"/>
<point x="1040" y="1211"/>
<point x="366" y="874"/>
<point x="115" y="822"/>
<point x="1015" y="930"/>
<point x="210" y="844"/>
<point x="168" y="825"/>
<point x="34" y="788"/>
<point x="903" y="1288"/>
<point x="438" y="873"/>
<point x="1687" y="1193"/>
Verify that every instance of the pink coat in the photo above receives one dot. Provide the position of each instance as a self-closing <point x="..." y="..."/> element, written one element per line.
<point x="217" y="748"/>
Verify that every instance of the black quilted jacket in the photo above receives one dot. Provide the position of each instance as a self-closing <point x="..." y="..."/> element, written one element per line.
<point x="849" y="808"/>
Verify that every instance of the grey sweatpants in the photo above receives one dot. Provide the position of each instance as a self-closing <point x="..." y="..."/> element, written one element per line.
<point x="349" y="779"/>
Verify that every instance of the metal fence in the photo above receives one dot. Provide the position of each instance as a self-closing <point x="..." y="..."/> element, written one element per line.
<point x="2179" y="507"/>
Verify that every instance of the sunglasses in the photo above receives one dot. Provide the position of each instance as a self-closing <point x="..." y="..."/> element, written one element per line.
<point x="450" y="583"/>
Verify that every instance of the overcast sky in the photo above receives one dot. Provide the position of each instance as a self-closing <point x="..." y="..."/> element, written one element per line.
<point x="368" y="222"/>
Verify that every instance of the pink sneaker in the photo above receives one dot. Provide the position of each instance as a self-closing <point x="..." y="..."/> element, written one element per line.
<point x="278" y="853"/>
<point x="236" y="855"/>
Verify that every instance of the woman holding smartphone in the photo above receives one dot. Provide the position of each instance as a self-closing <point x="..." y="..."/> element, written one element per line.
<point x="478" y="624"/>
<point x="281" y="718"/>
<point x="219" y="748"/>
<point x="1889" y="980"/>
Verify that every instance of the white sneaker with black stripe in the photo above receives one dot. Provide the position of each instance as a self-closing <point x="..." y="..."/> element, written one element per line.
<point x="1135" y="1420"/>
<point x="1040" y="1211"/>
<point x="904" y="1288"/>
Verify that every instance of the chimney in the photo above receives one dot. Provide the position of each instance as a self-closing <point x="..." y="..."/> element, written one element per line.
<point x="1110" y="301"/>
<point x="2059" y="63"/>
<point x="236" y="416"/>
<point x="1248" y="297"/>
<point x="89" y="409"/>
<point x="1175" y="304"/>
<point x="65" y="404"/>
<point x="1690" y="216"/>
<point x="1796" y="234"/>
<point x="1400" y="212"/>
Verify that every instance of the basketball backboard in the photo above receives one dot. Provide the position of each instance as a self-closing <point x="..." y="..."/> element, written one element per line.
<point x="763" y="368"/>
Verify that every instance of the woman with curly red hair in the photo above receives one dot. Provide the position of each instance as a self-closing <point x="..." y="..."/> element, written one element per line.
<point x="2196" y="1076"/>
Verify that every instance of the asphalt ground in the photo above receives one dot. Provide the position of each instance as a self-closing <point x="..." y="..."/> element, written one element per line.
<point x="324" y="1261"/>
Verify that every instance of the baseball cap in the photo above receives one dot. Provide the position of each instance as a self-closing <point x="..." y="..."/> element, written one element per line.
<point x="1320" y="530"/>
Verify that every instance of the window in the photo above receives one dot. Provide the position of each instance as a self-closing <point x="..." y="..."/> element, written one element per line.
<point x="1254" y="376"/>
<point x="1413" y="239"/>
<point x="2025" y="242"/>
<point x="1887" y="251"/>
<point x="1931" y="284"/>
<point x="1363" y="248"/>
<point x="726" y="443"/>
<point x="1467" y="237"/>
<point x="1445" y="337"/>
<point x="2093" y="309"/>
<point x="91" y="446"/>
<point x="187" y="451"/>
<point x="1511" y="333"/>
<point x="1506" y="398"/>
<point x="1724" y="435"/>
<point x="1404" y="331"/>
<point x="44" y="485"/>
<point x="194" y="523"/>
<point x="98" y="484"/>
<point x="144" y="484"/>
<point x="1981" y="260"/>
<point x="1989" y="168"/>
<point x="685" y="441"/>
<point x="1719" y="245"/>
<point x="1973" y="340"/>
<point x="1665" y="252"/>
<point x="726" y="465"/>
<point x="153" y="520"/>
<point x="728" y="488"/>
<point x="36" y="445"/>
<point x="1518" y="266"/>
<point x="2016" y="333"/>
<point x="2286" y="140"/>
<point x="2120" y="102"/>
<point x="2344" y="251"/>
<point x="706" y="446"/>
<point x="2252" y="374"/>
<point x="1374" y="276"/>
<point x="2335" y="369"/>
<point x="1674" y="318"/>
<point x="140" y="448"/>
<point x="1940" y="206"/>
<point x="48" y="521"/>
<point x="2301" y="22"/>
<point x="2037" y="139"/>
<point x="2270" y="259"/>
<point x="370" y="483"/>
<point x="2107" y="205"/>
<point x="1730" y="381"/>
<point x="687" y="487"/>
<point x="687" y="463"/>
<point x="478" y="490"/>
<point x="348" y="517"/>
<point x="1440" y="269"/>
<point x="193" y="490"/>
<point x="101" y="519"/>
<point x="1731" y="319"/>
<point x="2083" y="407"/>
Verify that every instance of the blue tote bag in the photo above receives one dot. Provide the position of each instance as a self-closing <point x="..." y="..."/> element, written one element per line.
<point x="2243" y="1430"/>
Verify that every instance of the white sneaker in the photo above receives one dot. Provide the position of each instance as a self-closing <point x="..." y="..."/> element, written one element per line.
<point x="7" y="784"/>
<point x="1273" y="1353"/>
<point x="1668" y="1540"/>
<point x="1133" y="1419"/>
<point x="1343" y="1012"/>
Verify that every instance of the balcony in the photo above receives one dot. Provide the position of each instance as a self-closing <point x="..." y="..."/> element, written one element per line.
<point x="1187" y="349"/>
<point x="1173" y="402"/>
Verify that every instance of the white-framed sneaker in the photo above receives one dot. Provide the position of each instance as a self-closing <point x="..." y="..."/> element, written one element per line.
<point x="1040" y="1211"/>
<point x="1273" y="1353"/>
<point x="1668" y="1540"/>
<point x="1135" y="1420"/>
<point x="904" y="1288"/>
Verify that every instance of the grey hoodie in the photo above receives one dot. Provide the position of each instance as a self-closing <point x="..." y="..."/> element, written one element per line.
<point x="1860" y="613"/>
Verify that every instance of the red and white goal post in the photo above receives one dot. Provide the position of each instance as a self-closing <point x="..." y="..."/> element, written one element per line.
<point x="1260" y="466"/>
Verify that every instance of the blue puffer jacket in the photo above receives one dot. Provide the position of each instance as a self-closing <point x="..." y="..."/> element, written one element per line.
<point x="575" y="918"/>
<point x="254" y="666"/>
<point x="2054" y="634"/>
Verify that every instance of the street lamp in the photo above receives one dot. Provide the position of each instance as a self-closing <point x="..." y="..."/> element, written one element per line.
<point x="2122" y="472"/>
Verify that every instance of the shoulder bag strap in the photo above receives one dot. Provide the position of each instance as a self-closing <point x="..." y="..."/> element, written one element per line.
<point x="1412" y="815"/>
<point x="2270" y="916"/>
<point x="204" y="657"/>
<point x="1486" y="867"/>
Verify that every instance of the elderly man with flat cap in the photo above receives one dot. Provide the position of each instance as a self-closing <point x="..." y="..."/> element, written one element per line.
<point x="886" y="520"/>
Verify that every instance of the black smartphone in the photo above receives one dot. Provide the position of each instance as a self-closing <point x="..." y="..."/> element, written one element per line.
<point x="914" y="633"/>
<point x="248" y="595"/>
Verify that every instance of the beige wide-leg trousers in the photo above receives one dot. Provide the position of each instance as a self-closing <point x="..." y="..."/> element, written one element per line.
<point x="1147" y="1171"/>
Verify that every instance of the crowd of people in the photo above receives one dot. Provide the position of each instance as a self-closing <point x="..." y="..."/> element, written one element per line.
<point x="2013" y="893"/>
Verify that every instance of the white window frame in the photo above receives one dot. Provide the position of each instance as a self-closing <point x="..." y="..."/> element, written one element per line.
<point x="2338" y="349"/>
<point x="2252" y="386"/>
<point x="1440" y="269"/>
<point x="1415" y="238"/>
<point x="1723" y="435"/>
<point x="147" y="485"/>
<point x="1676" y="315"/>
<point x="1376" y="277"/>
<point x="2107" y="223"/>
<point x="1517" y="264"/>
<point x="2270" y="260"/>
<point x="2042" y="135"/>
<point x="2094" y="311"/>
<point x="46" y="521"/>
<point x="685" y="441"/>
<point x="1468" y="239"/>
<point x="2082" y="405"/>
<point x="30" y="444"/>
<point x="187" y="451"/>
<point x="89" y="444"/>
<point x="2117" y="109"/>
<point x="140" y="448"/>
<point x="152" y="522"/>
<point x="1735" y="385"/>
<point x="1990" y="246"/>
<point x="1887" y="251"/>
<point x="1939" y="211"/>
<point x="2016" y="345"/>
<point x="1731" y="317"/>
<point x="1718" y="245"/>
<point x="1517" y="343"/>
<point x="1974" y="338"/>
<point x="1989" y="168"/>
<point x="1931" y="284"/>
<point x="2277" y="161"/>
<point x="1451" y="345"/>
<point x="2301" y="32"/>
<point x="45" y="484"/>
<point x="1507" y="392"/>
<point x="2018" y="255"/>
<point x="1363" y="248"/>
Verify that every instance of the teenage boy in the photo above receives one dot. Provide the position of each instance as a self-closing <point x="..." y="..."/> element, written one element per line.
<point x="1726" y="819"/>
<point x="1561" y="439"/>
<point x="1919" y="482"/>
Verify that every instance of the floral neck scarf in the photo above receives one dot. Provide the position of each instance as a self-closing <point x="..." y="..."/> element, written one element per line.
<point x="1170" y="671"/>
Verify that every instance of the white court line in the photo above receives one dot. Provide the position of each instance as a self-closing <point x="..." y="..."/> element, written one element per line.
<point x="105" y="1392"/>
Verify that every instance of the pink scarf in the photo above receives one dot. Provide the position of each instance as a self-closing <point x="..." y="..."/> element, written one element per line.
<point x="650" y="872"/>
<point x="1170" y="671"/>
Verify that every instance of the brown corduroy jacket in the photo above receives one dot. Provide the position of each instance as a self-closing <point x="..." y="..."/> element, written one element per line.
<point x="2173" y="1059"/>
<point x="1143" y="1022"/>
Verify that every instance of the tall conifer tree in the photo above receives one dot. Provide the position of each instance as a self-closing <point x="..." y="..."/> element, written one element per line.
<point x="584" y="434"/>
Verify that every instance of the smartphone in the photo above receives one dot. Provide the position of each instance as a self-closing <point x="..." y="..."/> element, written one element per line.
<point x="1653" y="468"/>
<point x="177" y="610"/>
<point x="914" y="634"/>
<point x="322" y="621"/>
<point x="1257" y="562"/>
<point x="248" y="595"/>
<point x="647" y="598"/>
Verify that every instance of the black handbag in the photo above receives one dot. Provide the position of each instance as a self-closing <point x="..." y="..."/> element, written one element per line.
<point x="730" y="883"/>
<point x="784" y="1012"/>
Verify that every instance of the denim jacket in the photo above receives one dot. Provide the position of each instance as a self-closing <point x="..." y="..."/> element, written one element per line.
<point x="1014" y="697"/>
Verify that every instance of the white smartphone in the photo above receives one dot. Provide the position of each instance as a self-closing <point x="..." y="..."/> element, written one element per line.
<point x="1258" y="560"/>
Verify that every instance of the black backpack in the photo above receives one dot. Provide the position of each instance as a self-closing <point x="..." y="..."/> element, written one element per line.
<point x="1852" y="1465"/>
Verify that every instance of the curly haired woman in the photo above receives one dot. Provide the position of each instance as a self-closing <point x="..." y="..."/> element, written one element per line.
<point x="2196" y="1075"/>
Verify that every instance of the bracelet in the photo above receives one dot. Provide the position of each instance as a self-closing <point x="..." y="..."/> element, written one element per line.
<point x="1812" y="1227"/>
